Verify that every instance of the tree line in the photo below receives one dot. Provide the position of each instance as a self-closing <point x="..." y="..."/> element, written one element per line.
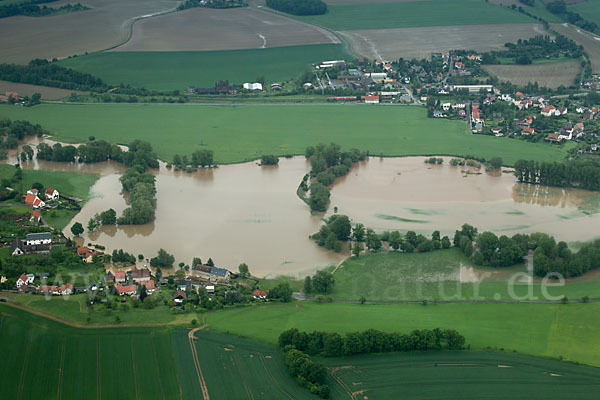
<point x="42" y="72"/>
<point x="299" y="7"/>
<point x="310" y="374"/>
<point x="582" y="174"/>
<point x="200" y="158"/>
<point x="13" y="131"/>
<point x="560" y="8"/>
<point x="538" y="47"/>
<point x="332" y="344"/>
<point x="31" y="9"/>
<point x="327" y="163"/>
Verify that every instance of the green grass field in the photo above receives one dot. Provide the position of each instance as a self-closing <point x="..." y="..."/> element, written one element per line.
<point x="589" y="9"/>
<point x="69" y="183"/>
<point x="392" y="276"/>
<point x="242" y="133"/>
<point x="178" y="70"/>
<point x="460" y="375"/>
<point x="52" y="361"/>
<point x="553" y="330"/>
<point x="414" y="14"/>
<point x="236" y="368"/>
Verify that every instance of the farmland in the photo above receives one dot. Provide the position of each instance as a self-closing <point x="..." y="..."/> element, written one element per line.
<point x="238" y="133"/>
<point x="414" y="14"/>
<point x="48" y="93"/>
<point x="420" y="42"/>
<point x="71" y="363"/>
<point x="235" y="368"/>
<point x="589" y="9"/>
<point x="443" y="274"/>
<point x="178" y="70"/>
<point x="464" y="375"/>
<point x="105" y="25"/>
<point x="553" y="330"/>
<point x="213" y="29"/>
<point x="590" y="42"/>
<point x="551" y="75"/>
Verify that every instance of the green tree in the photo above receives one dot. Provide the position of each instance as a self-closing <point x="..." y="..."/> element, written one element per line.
<point x="244" y="271"/>
<point x="322" y="282"/>
<point x="108" y="217"/>
<point x="395" y="240"/>
<point x="356" y="249"/>
<point x="446" y="242"/>
<point x="307" y="285"/>
<point x="359" y="232"/>
<point x="373" y="241"/>
<point x="77" y="229"/>
<point x="340" y="226"/>
<point x="163" y="260"/>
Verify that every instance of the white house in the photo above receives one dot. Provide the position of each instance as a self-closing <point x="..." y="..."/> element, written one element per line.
<point x="446" y="106"/>
<point x="253" y="86"/>
<point x="34" y="239"/>
<point x="51" y="194"/>
<point x="25" y="279"/>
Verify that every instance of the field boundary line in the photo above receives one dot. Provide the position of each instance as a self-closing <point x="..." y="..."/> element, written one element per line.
<point x="261" y="357"/>
<point x="342" y="384"/>
<point x="61" y="370"/>
<point x="24" y="368"/>
<point x="134" y="367"/>
<point x="234" y="360"/>
<point x="197" y="363"/>
<point x="160" y="385"/>
<point x="98" y="378"/>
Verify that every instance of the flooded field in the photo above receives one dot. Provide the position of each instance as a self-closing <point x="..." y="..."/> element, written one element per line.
<point x="407" y="194"/>
<point x="233" y="214"/>
<point x="247" y="213"/>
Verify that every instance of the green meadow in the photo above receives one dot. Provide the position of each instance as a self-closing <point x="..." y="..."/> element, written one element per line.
<point x="48" y="360"/>
<point x="589" y="9"/>
<point x="551" y="330"/>
<point x="460" y="375"/>
<point x="437" y="276"/>
<point x="175" y="70"/>
<point x="243" y="133"/>
<point x="409" y="14"/>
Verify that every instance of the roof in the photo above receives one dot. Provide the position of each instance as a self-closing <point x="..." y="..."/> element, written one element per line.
<point x="149" y="284"/>
<point x="202" y="268"/>
<point x="38" y="236"/>
<point x="219" y="271"/>
<point x="121" y="289"/>
<point x="179" y="293"/>
<point x="120" y="275"/>
<point x="140" y="273"/>
<point x="23" y="277"/>
<point x="35" y="214"/>
<point x="50" y="190"/>
<point x="30" y="199"/>
<point x="16" y="244"/>
<point x="259" y="293"/>
<point x="370" y="97"/>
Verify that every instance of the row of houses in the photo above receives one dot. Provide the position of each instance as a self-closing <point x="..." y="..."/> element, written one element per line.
<point x="25" y="284"/>
<point x="32" y="197"/>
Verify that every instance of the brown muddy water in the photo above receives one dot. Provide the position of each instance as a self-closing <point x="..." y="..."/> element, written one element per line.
<point x="407" y="194"/>
<point x="233" y="214"/>
<point x="247" y="213"/>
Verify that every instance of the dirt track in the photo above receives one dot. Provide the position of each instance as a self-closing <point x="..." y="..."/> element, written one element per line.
<point x="211" y="29"/>
<point x="201" y="380"/>
<point x="419" y="43"/>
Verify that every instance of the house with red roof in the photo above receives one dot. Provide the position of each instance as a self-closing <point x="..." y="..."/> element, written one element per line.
<point x="528" y="131"/>
<point x="52" y="194"/>
<point x="125" y="290"/>
<point x="35" y="216"/>
<point x="548" y="111"/>
<point x="33" y="201"/>
<point x="553" y="137"/>
<point x="149" y="284"/>
<point x="120" y="276"/>
<point x="62" y="290"/>
<point x="371" y="99"/>
<point x="25" y="279"/>
<point x="88" y="254"/>
<point x="259" y="294"/>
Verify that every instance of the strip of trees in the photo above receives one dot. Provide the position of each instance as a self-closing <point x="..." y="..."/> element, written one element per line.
<point x="42" y="72"/>
<point x="582" y="174"/>
<point x="13" y="131"/>
<point x="327" y="163"/>
<point x="299" y="7"/>
<point x="310" y="374"/>
<point x="538" y="47"/>
<point x="560" y="8"/>
<point x="31" y="9"/>
<point x="331" y="344"/>
<point x="200" y="158"/>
